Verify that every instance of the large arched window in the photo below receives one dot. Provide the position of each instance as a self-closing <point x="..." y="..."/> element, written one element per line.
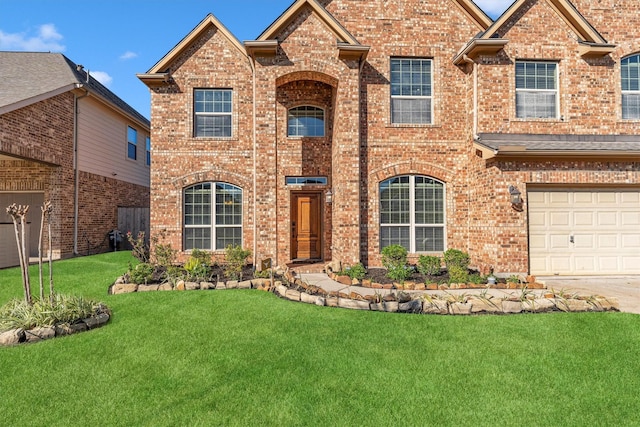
<point x="630" y="69"/>
<point x="306" y="121"/>
<point x="212" y="216"/>
<point x="412" y="213"/>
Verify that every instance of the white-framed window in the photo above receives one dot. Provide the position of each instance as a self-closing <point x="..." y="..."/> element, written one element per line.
<point x="412" y="213"/>
<point x="630" y="73"/>
<point x="411" y="91"/>
<point x="536" y="90"/>
<point x="213" y="113"/>
<point x="148" y="150"/>
<point x="305" y="120"/>
<point x="132" y="143"/>
<point x="212" y="216"/>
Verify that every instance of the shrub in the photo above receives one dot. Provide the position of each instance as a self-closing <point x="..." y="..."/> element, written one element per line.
<point x="457" y="258"/>
<point x="429" y="265"/>
<point x="356" y="271"/>
<point x="394" y="256"/>
<point x="400" y="273"/>
<point x="458" y="274"/>
<point x="139" y="248"/>
<point x="236" y="258"/>
<point x="141" y="273"/>
<point x="195" y="269"/>
<point x="203" y="257"/>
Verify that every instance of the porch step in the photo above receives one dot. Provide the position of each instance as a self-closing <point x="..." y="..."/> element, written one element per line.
<point x="304" y="268"/>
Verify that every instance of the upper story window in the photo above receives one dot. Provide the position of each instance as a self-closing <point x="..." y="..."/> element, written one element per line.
<point x="411" y="91"/>
<point x="212" y="111"/>
<point x="536" y="90"/>
<point x="412" y="213"/>
<point x="148" y="150"/>
<point x="212" y="216"/>
<point x="132" y="143"/>
<point x="306" y="121"/>
<point x="630" y="68"/>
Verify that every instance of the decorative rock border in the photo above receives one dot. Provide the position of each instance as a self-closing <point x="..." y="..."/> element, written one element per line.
<point x="402" y="302"/>
<point x="20" y="336"/>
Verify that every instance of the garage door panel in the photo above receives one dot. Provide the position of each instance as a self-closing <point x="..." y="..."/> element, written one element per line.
<point x="604" y="224"/>
<point x="559" y="219"/>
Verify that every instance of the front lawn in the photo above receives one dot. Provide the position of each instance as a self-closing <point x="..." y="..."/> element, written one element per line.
<point x="246" y="357"/>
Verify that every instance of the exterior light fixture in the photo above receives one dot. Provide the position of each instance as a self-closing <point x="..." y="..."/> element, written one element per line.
<point x="328" y="196"/>
<point x="516" y="198"/>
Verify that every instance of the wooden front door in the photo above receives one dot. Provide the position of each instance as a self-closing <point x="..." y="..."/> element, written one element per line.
<point x="305" y="226"/>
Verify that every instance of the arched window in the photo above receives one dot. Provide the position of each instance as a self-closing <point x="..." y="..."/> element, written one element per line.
<point x="412" y="213"/>
<point x="212" y="216"/>
<point x="306" y="121"/>
<point x="630" y="69"/>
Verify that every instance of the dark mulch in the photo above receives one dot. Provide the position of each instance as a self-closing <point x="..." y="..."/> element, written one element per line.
<point x="379" y="275"/>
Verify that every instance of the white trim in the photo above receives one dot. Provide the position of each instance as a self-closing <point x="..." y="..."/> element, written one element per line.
<point x="430" y="97"/>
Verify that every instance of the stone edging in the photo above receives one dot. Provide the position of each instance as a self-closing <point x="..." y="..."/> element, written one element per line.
<point x="402" y="302"/>
<point x="20" y="336"/>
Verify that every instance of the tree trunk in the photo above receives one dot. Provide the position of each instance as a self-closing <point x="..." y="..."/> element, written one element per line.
<point x="25" y="255"/>
<point x="43" y="209"/>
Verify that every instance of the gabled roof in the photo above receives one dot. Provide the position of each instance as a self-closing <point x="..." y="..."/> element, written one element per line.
<point x="29" y="77"/>
<point x="266" y="43"/>
<point x="591" y="41"/>
<point x="158" y="73"/>
<point x="475" y="13"/>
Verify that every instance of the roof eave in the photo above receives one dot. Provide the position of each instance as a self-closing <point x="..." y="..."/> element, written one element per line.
<point x="478" y="47"/>
<point x="154" y="79"/>
<point x="261" y="48"/>
<point x="593" y="50"/>
<point x="349" y="51"/>
<point x="510" y="151"/>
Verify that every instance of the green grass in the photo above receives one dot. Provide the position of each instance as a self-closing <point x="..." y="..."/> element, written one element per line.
<point x="245" y="357"/>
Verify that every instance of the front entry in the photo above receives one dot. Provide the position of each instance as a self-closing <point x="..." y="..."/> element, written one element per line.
<point x="306" y="230"/>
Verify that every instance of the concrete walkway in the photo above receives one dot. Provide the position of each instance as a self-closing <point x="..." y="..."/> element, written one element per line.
<point x="625" y="288"/>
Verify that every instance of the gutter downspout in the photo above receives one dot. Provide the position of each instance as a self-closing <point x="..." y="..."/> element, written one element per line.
<point x="475" y="132"/>
<point x="76" y="178"/>
<point x="255" y="166"/>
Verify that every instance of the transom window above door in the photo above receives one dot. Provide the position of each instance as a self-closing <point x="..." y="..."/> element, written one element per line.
<point x="306" y="120"/>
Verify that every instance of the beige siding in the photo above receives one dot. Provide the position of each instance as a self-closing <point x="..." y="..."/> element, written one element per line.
<point x="102" y="144"/>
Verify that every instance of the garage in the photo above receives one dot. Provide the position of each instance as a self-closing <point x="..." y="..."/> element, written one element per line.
<point x="8" y="249"/>
<point x="584" y="231"/>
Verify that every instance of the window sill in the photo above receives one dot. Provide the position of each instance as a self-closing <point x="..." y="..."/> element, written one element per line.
<point x="409" y="125"/>
<point x="539" y="119"/>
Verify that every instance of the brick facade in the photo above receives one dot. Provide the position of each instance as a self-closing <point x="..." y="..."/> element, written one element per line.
<point x="42" y="135"/>
<point x="362" y="148"/>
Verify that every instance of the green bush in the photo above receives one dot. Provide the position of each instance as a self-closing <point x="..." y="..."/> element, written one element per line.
<point x="429" y="265"/>
<point x="203" y="257"/>
<point x="457" y="258"/>
<point x="400" y="273"/>
<point x="394" y="256"/>
<point x="356" y="271"/>
<point x="458" y="274"/>
<point x="195" y="269"/>
<point x="236" y="258"/>
<point x="141" y="273"/>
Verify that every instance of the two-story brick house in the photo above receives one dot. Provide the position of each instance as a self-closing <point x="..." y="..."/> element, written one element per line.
<point x="66" y="138"/>
<point x="349" y="125"/>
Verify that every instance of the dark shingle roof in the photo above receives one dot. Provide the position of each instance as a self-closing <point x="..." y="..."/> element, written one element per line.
<point x="26" y="75"/>
<point x="567" y="143"/>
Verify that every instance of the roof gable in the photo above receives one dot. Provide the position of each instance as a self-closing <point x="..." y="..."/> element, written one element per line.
<point x="295" y="9"/>
<point x="210" y="20"/>
<point x="490" y="42"/>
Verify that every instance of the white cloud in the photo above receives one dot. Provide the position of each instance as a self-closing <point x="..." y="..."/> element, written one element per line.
<point x="102" y="77"/>
<point x="128" y="55"/>
<point x="47" y="39"/>
<point x="494" y="8"/>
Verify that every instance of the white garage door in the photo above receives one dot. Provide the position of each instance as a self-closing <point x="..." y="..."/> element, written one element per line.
<point x="576" y="232"/>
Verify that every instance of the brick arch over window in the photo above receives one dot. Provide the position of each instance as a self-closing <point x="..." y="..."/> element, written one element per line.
<point x="412" y="167"/>
<point x="307" y="75"/>
<point x="211" y="175"/>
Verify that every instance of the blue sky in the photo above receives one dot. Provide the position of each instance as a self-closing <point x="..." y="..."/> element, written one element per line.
<point x="115" y="39"/>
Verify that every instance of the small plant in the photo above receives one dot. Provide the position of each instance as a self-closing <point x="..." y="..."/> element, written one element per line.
<point x="173" y="274"/>
<point x="394" y="258"/>
<point x="458" y="274"/>
<point x="429" y="265"/>
<point x="163" y="254"/>
<point x="236" y="258"/>
<point x="203" y="257"/>
<point x="477" y="278"/>
<point x="262" y="274"/>
<point x="457" y="258"/>
<point x="356" y="271"/>
<point x="514" y="278"/>
<point x="141" y="273"/>
<point x="139" y="248"/>
<point x="400" y="273"/>
<point x="195" y="269"/>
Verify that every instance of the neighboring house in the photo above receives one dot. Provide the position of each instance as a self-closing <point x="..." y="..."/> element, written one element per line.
<point x="350" y="125"/>
<point x="64" y="137"/>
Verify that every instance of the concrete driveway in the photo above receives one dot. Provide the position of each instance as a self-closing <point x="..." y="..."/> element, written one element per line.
<point x="625" y="288"/>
